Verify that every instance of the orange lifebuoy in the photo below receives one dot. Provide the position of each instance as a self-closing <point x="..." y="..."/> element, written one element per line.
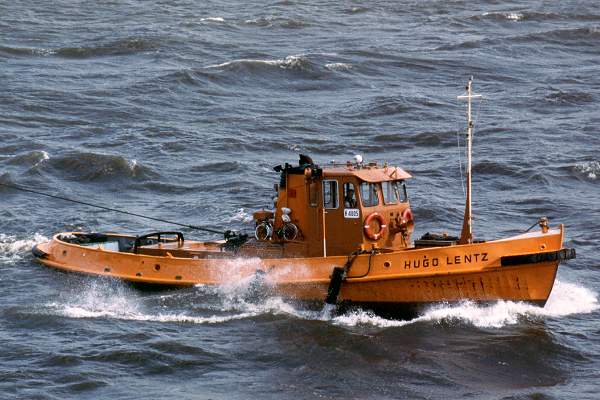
<point x="407" y="219"/>
<point x="369" y="230"/>
<point x="407" y="222"/>
<point x="407" y="215"/>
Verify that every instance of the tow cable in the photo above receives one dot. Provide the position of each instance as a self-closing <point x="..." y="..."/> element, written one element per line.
<point x="233" y="239"/>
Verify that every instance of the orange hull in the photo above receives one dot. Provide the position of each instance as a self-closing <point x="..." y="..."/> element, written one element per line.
<point x="531" y="283"/>
<point x="521" y="268"/>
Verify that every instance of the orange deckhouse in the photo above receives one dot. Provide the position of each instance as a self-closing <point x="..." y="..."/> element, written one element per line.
<point x="340" y="234"/>
<point x="335" y="211"/>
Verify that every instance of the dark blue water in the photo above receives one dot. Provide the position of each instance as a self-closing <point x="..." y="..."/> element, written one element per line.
<point x="179" y="110"/>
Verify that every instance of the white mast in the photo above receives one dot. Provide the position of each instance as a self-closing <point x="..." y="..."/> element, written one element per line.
<point x="466" y="235"/>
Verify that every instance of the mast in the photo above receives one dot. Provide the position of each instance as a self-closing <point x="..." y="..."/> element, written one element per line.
<point x="466" y="234"/>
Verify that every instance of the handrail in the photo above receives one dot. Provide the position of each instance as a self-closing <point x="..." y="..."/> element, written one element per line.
<point x="138" y="239"/>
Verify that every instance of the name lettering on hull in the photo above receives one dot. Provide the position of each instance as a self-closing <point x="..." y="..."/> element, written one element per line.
<point x="426" y="262"/>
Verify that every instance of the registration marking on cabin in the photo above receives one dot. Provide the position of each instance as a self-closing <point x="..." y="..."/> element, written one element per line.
<point x="351" y="213"/>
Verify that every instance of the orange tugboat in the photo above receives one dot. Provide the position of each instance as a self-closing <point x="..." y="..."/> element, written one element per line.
<point x="340" y="233"/>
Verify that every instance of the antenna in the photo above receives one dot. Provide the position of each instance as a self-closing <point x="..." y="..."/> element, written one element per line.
<point x="466" y="235"/>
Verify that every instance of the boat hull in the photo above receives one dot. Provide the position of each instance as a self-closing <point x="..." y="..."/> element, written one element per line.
<point x="521" y="268"/>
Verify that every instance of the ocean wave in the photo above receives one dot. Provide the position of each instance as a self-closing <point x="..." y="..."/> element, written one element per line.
<point x="358" y="10"/>
<point x="589" y="169"/>
<point x="423" y="139"/>
<point x="384" y="105"/>
<point x="241" y="215"/>
<point x="338" y="66"/>
<point x="13" y="249"/>
<point x="98" y="167"/>
<point x="120" y="47"/>
<point x="380" y="106"/>
<point x="566" y="299"/>
<point x="466" y="45"/>
<point x="127" y="46"/>
<point x="218" y="166"/>
<point x="240" y="298"/>
<point x="73" y="311"/>
<point x="291" y="69"/>
<point x="486" y="167"/>
<point x="533" y="16"/>
<point x="162" y="187"/>
<point x="32" y="158"/>
<point x="293" y="62"/>
<point x="6" y="178"/>
<point x="569" y="98"/>
<point x="26" y="51"/>
<point x="511" y="16"/>
<point x="275" y="21"/>
<point x="572" y="37"/>
<point x="114" y="300"/>
<point x="584" y="37"/>
<point x="212" y="19"/>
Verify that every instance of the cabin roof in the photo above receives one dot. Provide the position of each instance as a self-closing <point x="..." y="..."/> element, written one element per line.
<point x="367" y="173"/>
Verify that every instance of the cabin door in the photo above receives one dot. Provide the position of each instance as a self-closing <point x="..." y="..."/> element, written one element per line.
<point x="343" y="230"/>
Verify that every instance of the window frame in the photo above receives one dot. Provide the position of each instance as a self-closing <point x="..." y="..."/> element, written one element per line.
<point x="377" y="186"/>
<point x="346" y="185"/>
<point x="394" y="191"/>
<point x="402" y="188"/>
<point x="336" y="191"/>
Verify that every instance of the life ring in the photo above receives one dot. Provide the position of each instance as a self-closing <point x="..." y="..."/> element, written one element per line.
<point x="407" y="215"/>
<point x="369" y="230"/>
<point x="407" y="219"/>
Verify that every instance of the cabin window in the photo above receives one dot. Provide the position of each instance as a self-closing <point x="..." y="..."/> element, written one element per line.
<point x="330" y="194"/>
<point x="313" y="189"/>
<point x="402" y="191"/>
<point x="368" y="194"/>
<point x="394" y="191"/>
<point x="349" y="195"/>
<point x="390" y="192"/>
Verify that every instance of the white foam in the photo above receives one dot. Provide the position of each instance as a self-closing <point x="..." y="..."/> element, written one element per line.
<point x="42" y="51"/>
<point x="565" y="299"/>
<point x="81" y="312"/>
<point x="13" y="249"/>
<point x="213" y="19"/>
<point x="360" y="317"/>
<point x="44" y="156"/>
<point x="114" y="300"/>
<point x="241" y="215"/>
<point x="569" y="298"/>
<point x="288" y="62"/>
<point x="512" y="16"/>
<point x="338" y="66"/>
<point x="235" y="300"/>
<point x="589" y="168"/>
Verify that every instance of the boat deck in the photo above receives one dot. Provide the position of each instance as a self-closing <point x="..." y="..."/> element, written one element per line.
<point x="216" y="249"/>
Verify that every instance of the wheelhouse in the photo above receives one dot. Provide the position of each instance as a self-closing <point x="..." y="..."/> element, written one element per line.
<point x="338" y="209"/>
